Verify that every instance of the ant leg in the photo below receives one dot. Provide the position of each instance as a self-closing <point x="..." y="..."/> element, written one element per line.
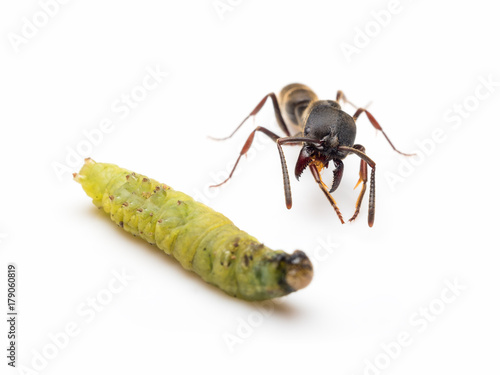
<point x="363" y="177"/>
<point x="371" y="204"/>
<point x="324" y="189"/>
<point x="377" y="126"/>
<point x="247" y="146"/>
<point x="279" y="141"/>
<point x="286" y="178"/>
<point x="277" y="113"/>
<point x="341" y="96"/>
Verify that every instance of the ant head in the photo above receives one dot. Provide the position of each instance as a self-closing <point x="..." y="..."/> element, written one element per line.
<point x="326" y="122"/>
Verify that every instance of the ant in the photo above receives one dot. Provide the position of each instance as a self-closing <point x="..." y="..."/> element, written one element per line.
<point x="327" y="134"/>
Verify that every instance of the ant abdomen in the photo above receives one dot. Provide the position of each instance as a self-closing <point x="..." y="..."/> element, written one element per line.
<point x="294" y="99"/>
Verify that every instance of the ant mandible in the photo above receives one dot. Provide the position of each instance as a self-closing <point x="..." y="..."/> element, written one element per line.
<point x="327" y="134"/>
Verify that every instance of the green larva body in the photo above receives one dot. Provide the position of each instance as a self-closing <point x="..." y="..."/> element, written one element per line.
<point x="202" y="240"/>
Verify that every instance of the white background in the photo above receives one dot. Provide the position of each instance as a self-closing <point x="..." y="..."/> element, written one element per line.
<point x="436" y="215"/>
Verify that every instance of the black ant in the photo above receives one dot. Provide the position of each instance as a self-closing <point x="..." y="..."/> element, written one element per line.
<point x="327" y="134"/>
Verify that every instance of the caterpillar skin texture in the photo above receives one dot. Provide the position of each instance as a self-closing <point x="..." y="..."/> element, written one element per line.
<point x="202" y="240"/>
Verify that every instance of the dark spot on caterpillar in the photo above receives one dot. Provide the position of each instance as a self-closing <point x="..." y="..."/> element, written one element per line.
<point x="204" y="249"/>
<point x="111" y="197"/>
<point x="140" y="209"/>
<point x="236" y="242"/>
<point x="245" y="258"/>
<point x="179" y="202"/>
<point x="121" y="224"/>
<point x="157" y="188"/>
<point x="145" y="179"/>
<point x="228" y="264"/>
<point x="133" y="174"/>
<point x="127" y="176"/>
<point x="141" y="232"/>
<point x="125" y="204"/>
<point x="221" y="263"/>
<point x="160" y="221"/>
<point x="150" y="214"/>
<point x="233" y="257"/>
<point x="251" y="257"/>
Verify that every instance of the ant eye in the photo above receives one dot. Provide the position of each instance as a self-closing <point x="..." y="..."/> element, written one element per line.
<point x="306" y="130"/>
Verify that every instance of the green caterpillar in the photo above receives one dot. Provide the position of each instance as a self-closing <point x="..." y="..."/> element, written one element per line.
<point x="202" y="240"/>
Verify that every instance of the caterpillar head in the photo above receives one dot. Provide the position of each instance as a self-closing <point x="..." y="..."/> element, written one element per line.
<point x="299" y="270"/>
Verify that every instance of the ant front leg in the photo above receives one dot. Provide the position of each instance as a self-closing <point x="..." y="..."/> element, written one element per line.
<point x="363" y="178"/>
<point x="324" y="189"/>
<point x="371" y="204"/>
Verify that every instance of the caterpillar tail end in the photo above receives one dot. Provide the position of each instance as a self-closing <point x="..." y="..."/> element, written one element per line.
<point x="299" y="270"/>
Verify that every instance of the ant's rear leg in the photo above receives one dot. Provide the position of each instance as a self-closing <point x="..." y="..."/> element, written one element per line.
<point x="277" y="113"/>
<point x="341" y="96"/>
